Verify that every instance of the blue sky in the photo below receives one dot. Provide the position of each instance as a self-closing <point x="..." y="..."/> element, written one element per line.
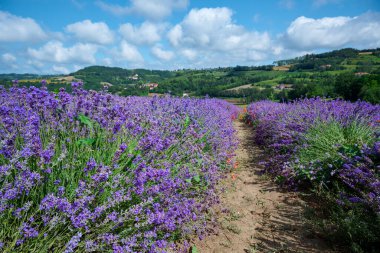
<point x="44" y="36"/>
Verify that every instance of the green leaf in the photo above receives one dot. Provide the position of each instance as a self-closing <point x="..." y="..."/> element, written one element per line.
<point x="85" y="120"/>
<point x="194" y="249"/>
<point x="188" y="180"/>
<point x="132" y="146"/>
<point x="187" y="121"/>
<point x="87" y="141"/>
<point x="197" y="178"/>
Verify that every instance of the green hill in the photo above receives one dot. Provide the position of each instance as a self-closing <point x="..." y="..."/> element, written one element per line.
<point x="348" y="73"/>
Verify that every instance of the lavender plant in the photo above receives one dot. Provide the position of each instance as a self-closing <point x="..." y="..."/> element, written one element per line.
<point x="93" y="172"/>
<point x="331" y="145"/>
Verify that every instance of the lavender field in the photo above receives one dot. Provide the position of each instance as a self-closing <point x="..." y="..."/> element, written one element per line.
<point x="89" y="171"/>
<point x="331" y="149"/>
<point x="93" y="172"/>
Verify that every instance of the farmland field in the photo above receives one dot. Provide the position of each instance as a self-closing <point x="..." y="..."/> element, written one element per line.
<point x="90" y="171"/>
<point x="184" y="126"/>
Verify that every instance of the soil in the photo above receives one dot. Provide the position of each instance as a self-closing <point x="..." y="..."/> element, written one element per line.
<point x="255" y="215"/>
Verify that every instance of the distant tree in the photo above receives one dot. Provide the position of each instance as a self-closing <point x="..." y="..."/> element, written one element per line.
<point x="371" y="89"/>
<point x="348" y="86"/>
<point x="298" y="91"/>
<point x="371" y="94"/>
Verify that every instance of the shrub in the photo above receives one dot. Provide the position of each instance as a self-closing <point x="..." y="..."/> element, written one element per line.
<point x="332" y="148"/>
<point x="93" y="172"/>
<point x="326" y="144"/>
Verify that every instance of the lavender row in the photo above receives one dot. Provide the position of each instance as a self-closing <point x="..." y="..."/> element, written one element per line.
<point x="93" y="172"/>
<point x="323" y="143"/>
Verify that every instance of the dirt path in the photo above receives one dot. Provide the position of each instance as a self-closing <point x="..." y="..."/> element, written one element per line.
<point x="255" y="215"/>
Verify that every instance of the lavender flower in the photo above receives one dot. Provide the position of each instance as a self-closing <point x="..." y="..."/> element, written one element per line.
<point x="121" y="168"/>
<point x="282" y="129"/>
<point x="73" y="243"/>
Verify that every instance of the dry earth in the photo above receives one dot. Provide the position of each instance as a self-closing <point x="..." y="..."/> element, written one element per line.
<point x="242" y="87"/>
<point x="255" y="215"/>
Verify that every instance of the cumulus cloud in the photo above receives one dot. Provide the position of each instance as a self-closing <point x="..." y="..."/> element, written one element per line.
<point x="8" y="61"/>
<point x="211" y="32"/>
<point x="146" y="33"/>
<point x="129" y="52"/>
<point x="55" y="52"/>
<point x="335" y="32"/>
<point x="60" y="69"/>
<point x="106" y="61"/>
<point x="87" y="31"/>
<point x="14" y="28"/>
<point x="189" y="53"/>
<point x="213" y="28"/>
<point x="8" y="58"/>
<point x="150" y="9"/>
<point x="175" y="35"/>
<point x="162" y="54"/>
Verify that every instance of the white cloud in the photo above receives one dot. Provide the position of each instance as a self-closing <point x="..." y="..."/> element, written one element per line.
<point x="175" y="35"/>
<point x="14" y="28"/>
<point x="130" y="53"/>
<point x="107" y="61"/>
<point x="60" y="69"/>
<point x="151" y="9"/>
<point x="55" y="52"/>
<point x="146" y="33"/>
<point x="162" y="54"/>
<point x="211" y="32"/>
<point x="8" y="58"/>
<point x="8" y="61"/>
<point x="329" y="33"/>
<point x="114" y="8"/>
<point x="190" y="54"/>
<point x="87" y="31"/>
<point x="213" y="28"/>
<point x="35" y="64"/>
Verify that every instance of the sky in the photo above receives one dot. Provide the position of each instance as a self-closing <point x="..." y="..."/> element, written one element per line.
<point x="62" y="36"/>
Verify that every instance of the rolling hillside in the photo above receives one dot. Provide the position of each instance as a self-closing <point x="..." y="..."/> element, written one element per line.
<point x="309" y="75"/>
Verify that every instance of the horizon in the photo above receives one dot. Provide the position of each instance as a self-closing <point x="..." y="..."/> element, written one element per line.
<point x="190" y="69"/>
<point x="41" y="37"/>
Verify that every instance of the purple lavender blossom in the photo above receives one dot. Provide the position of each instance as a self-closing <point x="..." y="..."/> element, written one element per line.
<point x="15" y="83"/>
<point x="281" y="128"/>
<point x="136" y="186"/>
<point x="43" y="82"/>
<point x="73" y="243"/>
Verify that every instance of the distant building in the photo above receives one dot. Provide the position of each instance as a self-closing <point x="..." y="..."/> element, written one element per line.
<point x="326" y="66"/>
<point x="185" y="95"/>
<point x="284" y="86"/>
<point x="151" y="85"/>
<point x="106" y="84"/>
<point x="134" y="77"/>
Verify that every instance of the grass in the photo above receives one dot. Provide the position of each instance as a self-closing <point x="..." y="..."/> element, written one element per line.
<point x="356" y="230"/>
<point x="72" y="152"/>
<point x="334" y="158"/>
<point x="70" y="179"/>
<point x="326" y="141"/>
